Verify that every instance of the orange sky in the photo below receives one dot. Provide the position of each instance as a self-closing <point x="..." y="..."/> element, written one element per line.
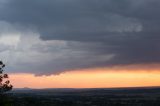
<point x="89" y="78"/>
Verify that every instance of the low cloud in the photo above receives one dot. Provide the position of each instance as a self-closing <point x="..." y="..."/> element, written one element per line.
<point x="49" y="37"/>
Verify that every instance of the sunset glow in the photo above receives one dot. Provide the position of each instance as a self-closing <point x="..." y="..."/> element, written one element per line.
<point x="97" y="78"/>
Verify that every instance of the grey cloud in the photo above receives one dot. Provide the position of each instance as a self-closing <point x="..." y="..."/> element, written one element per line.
<point x="91" y="33"/>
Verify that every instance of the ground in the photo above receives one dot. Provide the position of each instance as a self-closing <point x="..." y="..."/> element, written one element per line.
<point x="84" y="97"/>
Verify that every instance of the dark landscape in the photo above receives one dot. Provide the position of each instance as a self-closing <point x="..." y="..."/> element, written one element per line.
<point x="84" y="97"/>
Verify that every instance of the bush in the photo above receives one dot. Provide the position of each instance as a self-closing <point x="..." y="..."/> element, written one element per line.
<point x="4" y="83"/>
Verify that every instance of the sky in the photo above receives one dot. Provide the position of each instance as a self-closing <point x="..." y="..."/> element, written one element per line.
<point x="56" y="40"/>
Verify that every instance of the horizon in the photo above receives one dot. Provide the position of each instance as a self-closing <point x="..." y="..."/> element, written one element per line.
<point x="138" y="87"/>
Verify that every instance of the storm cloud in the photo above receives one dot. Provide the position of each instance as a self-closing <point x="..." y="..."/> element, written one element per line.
<point x="52" y="36"/>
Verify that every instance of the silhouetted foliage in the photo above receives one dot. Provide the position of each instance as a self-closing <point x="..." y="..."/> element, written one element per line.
<point x="4" y="82"/>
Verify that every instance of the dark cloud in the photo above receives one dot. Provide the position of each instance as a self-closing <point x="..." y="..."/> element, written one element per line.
<point x="98" y="33"/>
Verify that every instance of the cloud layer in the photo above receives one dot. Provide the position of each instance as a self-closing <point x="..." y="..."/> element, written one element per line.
<point x="49" y="37"/>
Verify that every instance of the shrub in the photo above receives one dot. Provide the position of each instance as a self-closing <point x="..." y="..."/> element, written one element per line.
<point x="4" y="82"/>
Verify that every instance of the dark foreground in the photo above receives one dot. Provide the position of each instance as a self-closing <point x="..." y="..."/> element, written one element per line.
<point x="83" y="97"/>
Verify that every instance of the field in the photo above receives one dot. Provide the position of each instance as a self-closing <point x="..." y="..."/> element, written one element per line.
<point x="84" y="97"/>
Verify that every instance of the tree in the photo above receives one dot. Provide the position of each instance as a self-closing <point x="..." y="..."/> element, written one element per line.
<point x="4" y="82"/>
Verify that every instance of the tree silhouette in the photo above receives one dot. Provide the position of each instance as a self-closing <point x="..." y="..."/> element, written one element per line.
<point x="4" y="82"/>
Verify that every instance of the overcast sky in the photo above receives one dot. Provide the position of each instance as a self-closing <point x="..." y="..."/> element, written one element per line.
<point x="46" y="37"/>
